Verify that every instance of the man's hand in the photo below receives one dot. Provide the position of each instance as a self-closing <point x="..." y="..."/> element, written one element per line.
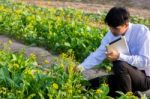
<point x="76" y="69"/>
<point x="112" y="55"/>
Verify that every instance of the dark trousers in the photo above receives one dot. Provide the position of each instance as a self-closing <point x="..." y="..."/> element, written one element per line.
<point x="126" y="78"/>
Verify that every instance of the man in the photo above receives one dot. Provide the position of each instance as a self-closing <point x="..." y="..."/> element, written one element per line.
<point x="131" y="72"/>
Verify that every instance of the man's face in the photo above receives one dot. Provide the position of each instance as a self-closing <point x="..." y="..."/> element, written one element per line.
<point x="119" y="30"/>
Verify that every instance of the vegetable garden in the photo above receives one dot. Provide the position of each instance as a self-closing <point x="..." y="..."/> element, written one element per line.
<point x="60" y="31"/>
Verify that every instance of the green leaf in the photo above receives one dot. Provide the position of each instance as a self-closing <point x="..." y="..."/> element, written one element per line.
<point x="31" y="96"/>
<point x="14" y="58"/>
<point x="67" y="44"/>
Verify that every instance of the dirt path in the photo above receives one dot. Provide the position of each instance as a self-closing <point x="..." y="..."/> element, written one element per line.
<point x="43" y="57"/>
<point x="138" y="7"/>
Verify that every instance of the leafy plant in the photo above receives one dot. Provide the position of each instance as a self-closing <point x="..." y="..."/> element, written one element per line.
<point x="22" y="77"/>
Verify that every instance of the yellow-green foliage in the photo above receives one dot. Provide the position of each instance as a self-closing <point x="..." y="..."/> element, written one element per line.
<point x="23" y="78"/>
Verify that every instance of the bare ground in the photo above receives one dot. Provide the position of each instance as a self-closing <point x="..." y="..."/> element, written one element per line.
<point x="136" y="7"/>
<point x="41" y="54"/>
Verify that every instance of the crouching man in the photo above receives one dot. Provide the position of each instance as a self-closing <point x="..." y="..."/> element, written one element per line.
<point x="131" y="72"/>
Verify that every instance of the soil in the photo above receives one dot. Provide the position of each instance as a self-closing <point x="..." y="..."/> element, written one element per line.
<point x="136" y="7"/>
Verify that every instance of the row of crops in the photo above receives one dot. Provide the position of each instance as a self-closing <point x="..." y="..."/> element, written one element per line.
<point x="23" y="78"/>
<point x="60" y="31"/>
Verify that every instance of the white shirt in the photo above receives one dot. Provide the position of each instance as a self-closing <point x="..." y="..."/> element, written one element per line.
<point x="138" y="40"/>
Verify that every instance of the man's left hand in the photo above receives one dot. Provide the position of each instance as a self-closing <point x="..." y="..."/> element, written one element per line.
<point x="112" y="55"/>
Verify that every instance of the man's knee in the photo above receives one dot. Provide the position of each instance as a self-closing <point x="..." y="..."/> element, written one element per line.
<point x="119" y="67"/>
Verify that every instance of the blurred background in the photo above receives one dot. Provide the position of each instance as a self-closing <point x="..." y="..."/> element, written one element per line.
<point x="137" y="7"/>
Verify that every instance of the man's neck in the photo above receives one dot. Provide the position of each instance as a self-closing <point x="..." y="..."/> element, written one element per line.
<point x="125" y="31"/>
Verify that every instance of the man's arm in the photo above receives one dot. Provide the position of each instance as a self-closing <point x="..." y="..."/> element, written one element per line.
<point x="96" y="57"/>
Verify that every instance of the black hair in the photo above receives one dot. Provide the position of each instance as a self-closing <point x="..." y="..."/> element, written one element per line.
<point x="117" y="16"/>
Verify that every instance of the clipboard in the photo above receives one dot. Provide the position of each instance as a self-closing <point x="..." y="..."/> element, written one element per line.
<point x="120" y="45"/>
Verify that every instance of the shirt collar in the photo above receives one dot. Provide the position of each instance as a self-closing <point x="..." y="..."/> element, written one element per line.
<point x="128" y="32"/>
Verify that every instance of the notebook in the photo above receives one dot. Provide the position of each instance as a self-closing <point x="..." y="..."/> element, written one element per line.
<point x="120" y="45"/>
